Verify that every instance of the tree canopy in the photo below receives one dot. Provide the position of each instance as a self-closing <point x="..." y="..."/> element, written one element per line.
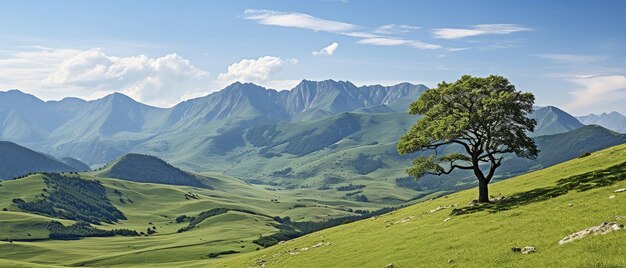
<point x="485" y="116"/>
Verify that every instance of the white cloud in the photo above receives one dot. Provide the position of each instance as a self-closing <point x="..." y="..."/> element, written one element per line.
<point x="26" y="69"/>
<point x="480" y="29"/>
<point x="597" y="91"/>
<point x="457" y="49"/>
<point x="388" y="41"/>
<point x="281" y="84"/>
<point x="55" y="73"/>
<point x="392" y="29"/>
<point x="296" y="20"/>
<point x="254" y="70"/>
<point x="158" y="81"/>
<point x="572" y="58"/>
<point x="329" y="50"/>
<point x="361" y="35"/>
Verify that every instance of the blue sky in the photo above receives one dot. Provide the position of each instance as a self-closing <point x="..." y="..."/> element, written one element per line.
<point x="568" y="53"/>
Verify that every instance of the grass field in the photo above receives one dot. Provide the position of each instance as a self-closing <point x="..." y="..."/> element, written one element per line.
<point x="156" y="205"/>
<point x="538" y="212"/>
<point x="421" y="235"/>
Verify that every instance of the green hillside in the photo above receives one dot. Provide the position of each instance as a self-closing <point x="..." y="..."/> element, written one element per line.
<point x="145" y="168"/>
<point x="219" y="226"/>
<point x="247" y="211"/>
<point x="537" y="209"/>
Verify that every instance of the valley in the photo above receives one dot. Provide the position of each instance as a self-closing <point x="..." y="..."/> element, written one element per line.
<point x="267" y="176"/>
<point x="325" y="133"/>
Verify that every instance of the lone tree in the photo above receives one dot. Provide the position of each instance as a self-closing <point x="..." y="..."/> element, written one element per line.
<point x="485" y="118"/>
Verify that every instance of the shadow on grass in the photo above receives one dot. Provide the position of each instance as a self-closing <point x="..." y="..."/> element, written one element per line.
<point x="581" y="183"/>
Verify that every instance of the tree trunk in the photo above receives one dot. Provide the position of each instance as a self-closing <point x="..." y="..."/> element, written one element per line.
<point x="483" y="191"/>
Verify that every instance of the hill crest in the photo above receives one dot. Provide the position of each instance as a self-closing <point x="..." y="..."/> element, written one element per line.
<point x="148" y="169"/>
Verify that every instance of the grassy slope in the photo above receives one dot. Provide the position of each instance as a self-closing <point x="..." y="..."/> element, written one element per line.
<point x="160" y="205"/>
<point x="414" y="238"/>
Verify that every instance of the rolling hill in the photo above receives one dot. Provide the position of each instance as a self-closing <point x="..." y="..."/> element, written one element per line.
<point x="565" y="146"/>
<point x="220" y="226"/>
<point x="19" y="161"/>
<point x="187" y="224"/>
<point x="148" y="169"/>
<point x="537" y="210"/>
<point x="343" y="148"/>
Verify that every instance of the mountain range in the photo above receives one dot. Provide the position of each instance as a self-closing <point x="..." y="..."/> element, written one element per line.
<point x="613" y="121"/>
<point x="315" y="135"/>
<point x="101" y="130"/>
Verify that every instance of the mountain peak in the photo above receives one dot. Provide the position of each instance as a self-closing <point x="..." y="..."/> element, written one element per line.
<point x="309" y="83"/>
<point x="15" y="93"/>
<point x="552" y="120"/>
<point x="117" y="96"/>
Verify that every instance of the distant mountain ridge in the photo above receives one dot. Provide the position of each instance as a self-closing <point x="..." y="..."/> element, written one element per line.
<point x="16" y="160"/>
<point x="318" y="134"/>
<point x="613" y="121"/>
<point x="104" y="129"/>
<point x="242" y="124"/>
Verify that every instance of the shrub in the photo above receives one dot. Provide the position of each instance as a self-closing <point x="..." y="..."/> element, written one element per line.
<point x="75" y="199"/>
<point x="361" y="198"/>
<point x="82" y="229"/>
<point x="215" y="255"/>
<point x="181" y="218"/>
<point x="350" y="187"/>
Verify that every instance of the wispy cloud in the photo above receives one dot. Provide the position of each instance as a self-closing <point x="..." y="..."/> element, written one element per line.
<point x="329" y="50"/>
<point x="476" y="30"/>
<point x="26" y="68"/>
<point x="572" y="58"/>
<point x="379" y="37"/>
<point x="457" y="49"/>
<point x="596" y="92"/>
<point x="392" y="29"/>
<point x="388" y="41"/>
<point x="296" y="20"/>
